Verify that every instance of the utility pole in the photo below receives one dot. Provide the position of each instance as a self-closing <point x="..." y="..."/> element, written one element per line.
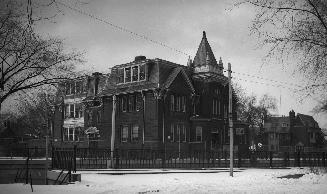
<point x="230" y="116"/>
<point x="113" y="126"/>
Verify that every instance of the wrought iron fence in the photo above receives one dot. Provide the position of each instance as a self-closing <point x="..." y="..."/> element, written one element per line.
<point x="93" y="158"/>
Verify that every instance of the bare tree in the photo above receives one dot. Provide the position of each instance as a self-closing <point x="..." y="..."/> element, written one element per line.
<point x="254" y="111"/>
<point x="28" y="60"/>
<point x="34" y="112"/>
<point x="295" y="31"/>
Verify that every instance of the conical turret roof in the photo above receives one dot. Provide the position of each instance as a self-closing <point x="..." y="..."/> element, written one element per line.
<point x="204" y="55"/>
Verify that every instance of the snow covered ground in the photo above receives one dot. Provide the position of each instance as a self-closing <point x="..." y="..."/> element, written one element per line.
<point x="245" y="181"/>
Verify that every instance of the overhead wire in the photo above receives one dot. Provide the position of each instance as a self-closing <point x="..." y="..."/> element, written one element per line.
<point x="123" y="29"/>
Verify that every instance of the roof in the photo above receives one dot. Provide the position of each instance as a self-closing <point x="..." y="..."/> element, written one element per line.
<point x="308" y="120"/>
<point x="172" y="76"/>
<point x="276" y="124"/>
<point x="204" y="54"/>
<point x="161" y="74"/>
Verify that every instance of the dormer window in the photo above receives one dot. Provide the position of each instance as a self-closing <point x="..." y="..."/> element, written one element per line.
<point x="142" y="72"/>
<point x="127" y="74"/>
<point x="131" y="74"/>
<point x="135" y="73"/>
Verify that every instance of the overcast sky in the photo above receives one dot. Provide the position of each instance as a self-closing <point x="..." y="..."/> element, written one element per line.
<point x="178" y="24"/>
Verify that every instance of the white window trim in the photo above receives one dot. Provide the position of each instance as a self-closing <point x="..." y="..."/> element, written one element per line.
<point x="198" y="127"/>
<point x="123" y="126"/>
<point x="131" y="74"/>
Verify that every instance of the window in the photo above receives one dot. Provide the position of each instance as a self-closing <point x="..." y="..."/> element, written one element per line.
<point x="120" y="75"/>
<point x="131" y="103"/>
<point x="127" y="74"/>
<point x="66" y="110"/>
<point x="139" y="102"/>
<point x="77" y="111"/>
<point x="198" y="134"/>
<point x="124" y="133"/>
<point x="142" y="72"/>
<point x="172" y="134"/>
<point x="135" y="133"/>
<point x="183" y="103"/>
<point x="178" y="133"/>
<point x="131" y="74"/>
<point x="124" y="103"/>
<point x="284" y="125"/>
<point x="172" y="102"/>
<point x="183" y="133"/>
<point x="225" y="111"/>
<point x="67" y="86"/>
<point x="135" y="73"/>
<point x="219" y="112"/>
<point x="72" y="89"/>
<point x="71" y="134"/>
<point x="71" y="110"/>
<point x="215" y="107"/>
<point x="216" y="92"/>
<point x="78" y="87"/>
<point x="178" y="103"/>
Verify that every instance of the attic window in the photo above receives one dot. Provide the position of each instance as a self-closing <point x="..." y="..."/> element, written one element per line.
<point x="120" y="75"/>
<point x="131" y="74"/>
<point x="135" y="73"/>
<point x="142" y="72"/>
<point x="127" y="74"/>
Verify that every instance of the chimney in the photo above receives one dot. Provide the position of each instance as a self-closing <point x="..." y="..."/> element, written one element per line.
<point x="292" y="117"/>
<point x="140" y="58"/>
<point x="189" y="62"/>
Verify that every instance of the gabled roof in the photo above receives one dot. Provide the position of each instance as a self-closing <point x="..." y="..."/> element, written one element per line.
<point x="174" y="74"/>
<point x="204" y="55"/>
<point x="308" y="120"/>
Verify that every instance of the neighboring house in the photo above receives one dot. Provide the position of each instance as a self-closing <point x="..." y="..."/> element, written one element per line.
<point x="67" y="125"/>
<point x="292" y="133"/>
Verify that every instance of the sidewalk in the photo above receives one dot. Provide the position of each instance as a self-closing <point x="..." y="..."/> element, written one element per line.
<point x="155" y="171"/>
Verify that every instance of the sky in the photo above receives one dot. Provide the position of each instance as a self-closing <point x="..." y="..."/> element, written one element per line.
<point x="178" y="24"/>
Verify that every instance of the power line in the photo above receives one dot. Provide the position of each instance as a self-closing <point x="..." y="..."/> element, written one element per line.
<point x="271" y="80"/>
<point x="268" y="84"/>
<point x="123" y="29"/>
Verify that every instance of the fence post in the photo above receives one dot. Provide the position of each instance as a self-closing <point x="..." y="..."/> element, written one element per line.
<point x="117" y="159"/>
<point x="298" y="159"/>
<point x="239" y="159"/>
<point x="271" y="159"/>
<point x="74" y="155"/>
<point x="27" y="166"/>
<point x="52" y="157"/>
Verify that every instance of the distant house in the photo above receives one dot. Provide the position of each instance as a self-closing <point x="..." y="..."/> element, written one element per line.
<point x="157" y="104"/>
<point x="67" y="124"/>
<point x="292" y="133"/>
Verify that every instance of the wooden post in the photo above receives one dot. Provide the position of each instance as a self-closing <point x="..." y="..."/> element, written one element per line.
<point x="113" y="126"/>
<point x="231" y="135"/>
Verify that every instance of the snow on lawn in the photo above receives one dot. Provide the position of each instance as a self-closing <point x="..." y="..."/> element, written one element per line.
<point x="246" y="181"/>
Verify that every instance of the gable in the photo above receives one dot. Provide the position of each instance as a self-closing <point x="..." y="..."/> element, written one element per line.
<point x="180" y="85"/>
